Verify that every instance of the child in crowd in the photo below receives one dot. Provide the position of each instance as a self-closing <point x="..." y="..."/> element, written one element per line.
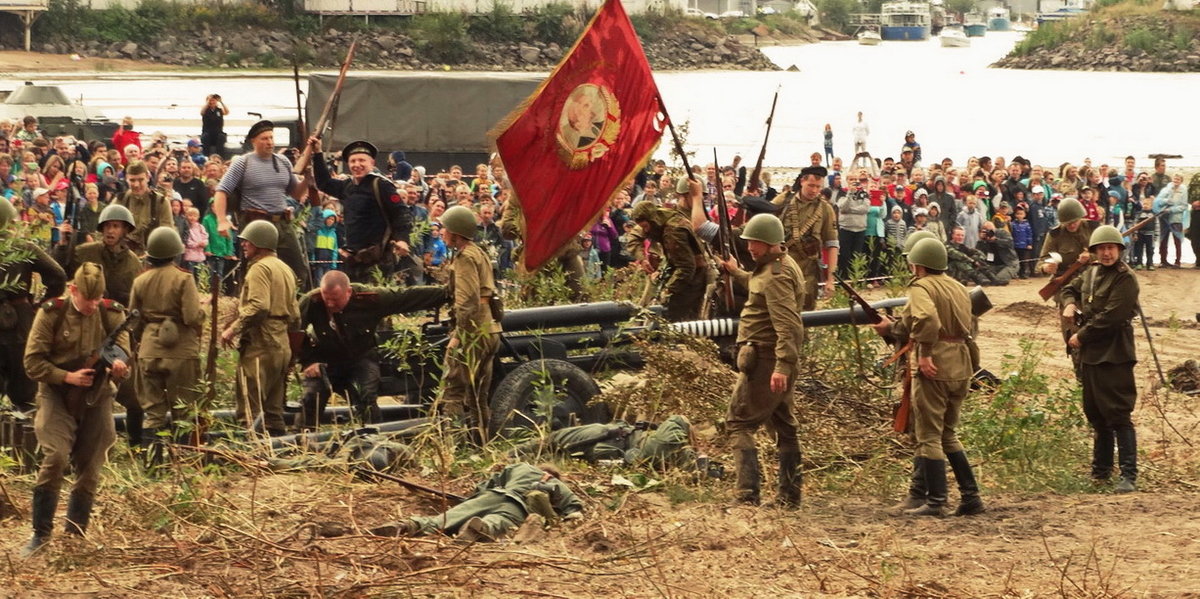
<point x="1003" y="217"/>
<point x="435" y="253"/>
<point x="1143" y="242"/>
<point x="591" y="257"/>
<point x="325" y="250"/>
<point x="1022" y="232"/>
<point x="88" y="222"/>
<point x="219" y="250"/>
<point x="920" y="218"/>
<point x="197" y="241"/>
<point x="40" y="217"/>
<point x="828" y="144"/>
<point x="896" y="230"/>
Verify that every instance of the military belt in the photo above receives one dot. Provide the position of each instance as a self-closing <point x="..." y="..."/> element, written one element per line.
<point x="760" y="347"/>
<point x="251" y="215"/>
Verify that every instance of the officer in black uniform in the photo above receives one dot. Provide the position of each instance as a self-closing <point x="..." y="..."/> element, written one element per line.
<point x="340" y="352"/>
<point x="377" y="217"/>
<point x="17" y="308"/>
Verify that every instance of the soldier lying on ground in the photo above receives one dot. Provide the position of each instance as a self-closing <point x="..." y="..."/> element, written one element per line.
<point x="498" y="505"/>
<point x="667" y="445"/>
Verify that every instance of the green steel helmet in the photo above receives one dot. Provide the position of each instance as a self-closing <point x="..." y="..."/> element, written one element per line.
<point x="7" y="213"/>
<point x="644" y="210"/>
<point x="262" y="234"/>
<point x="164" y="242"/>
<point x="929" y="253"/>
<point x="766" y="228"/>
<point x="460" y="221"/>
<point x="1070" y="209"/>
<point x="117" y="212"/>
<point x="915" y="237"/>
<point x="1106" y="234"/>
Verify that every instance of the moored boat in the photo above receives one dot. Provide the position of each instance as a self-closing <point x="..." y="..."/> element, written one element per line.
<point x="953" y="36"/>
<point x="869" y="37"/>
<point x="975" y="25"/>
<point x="905" y="21"/>
<point x="998" y="19"/>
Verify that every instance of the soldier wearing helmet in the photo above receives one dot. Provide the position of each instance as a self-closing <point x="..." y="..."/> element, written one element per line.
<point x="936" y="324"/>
<point x="687" y="266"/>
<point x="267" y="312"/>
<point x="769" y="337"/>
<point x="476" y="334"/>
<point x="17" y="306"/>
<point x="168" y="364"/>
<point x="1066" y="244"/>
<point x="1103" y="300"/>
<point x="121" y="266"/>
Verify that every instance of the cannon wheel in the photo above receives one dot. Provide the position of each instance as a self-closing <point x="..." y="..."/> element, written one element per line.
<point x="518" y="401"/>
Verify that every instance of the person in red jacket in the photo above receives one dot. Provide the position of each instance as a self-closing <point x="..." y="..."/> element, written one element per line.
<point x="124" y="136"/>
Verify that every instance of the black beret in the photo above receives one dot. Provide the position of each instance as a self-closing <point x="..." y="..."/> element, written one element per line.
<point x="814" y="170"/>
<point x="358" y="147"/>
<point x="259" y="127"/>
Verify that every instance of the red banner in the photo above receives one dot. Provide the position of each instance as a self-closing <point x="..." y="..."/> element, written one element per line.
<point x="591" y="124"/>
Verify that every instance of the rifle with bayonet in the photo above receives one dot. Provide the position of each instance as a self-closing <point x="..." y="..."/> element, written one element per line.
<point x="755" y="184"/>
<point x="873" y="315"/>
<point x="1050" y="289"/>
<point x="328" y="112"/>
<point x="726" y="242"/>
<point x="100" y="362"/>
<point x="369" y="473"/>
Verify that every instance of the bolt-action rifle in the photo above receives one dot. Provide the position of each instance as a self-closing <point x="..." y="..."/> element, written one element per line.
<point x="1050" y="289"/>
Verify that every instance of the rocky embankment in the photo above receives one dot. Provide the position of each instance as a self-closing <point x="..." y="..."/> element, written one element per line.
<point x="1159" y="43"/>
<point x="693" y="48"/>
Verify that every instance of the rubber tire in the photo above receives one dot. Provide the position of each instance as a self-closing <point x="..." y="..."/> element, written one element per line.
<point x="514" y="402"/>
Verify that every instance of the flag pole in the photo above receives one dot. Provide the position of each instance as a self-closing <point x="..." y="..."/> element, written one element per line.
<point x="675" y="137"/>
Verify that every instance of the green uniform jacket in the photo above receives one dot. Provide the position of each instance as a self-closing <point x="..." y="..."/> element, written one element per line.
<point x="471" y="283"/>
<point x="121" y="266"/>
<point x="18" y="276"/>
<point x="1069" y="245"/>
<point x="771" y="316"/>
<point x="171" y="318"/>
<point x="517" y="480"/>
<point x="799" y="236"/>
<point x="938" y="320"/>
<point x="681" y="249"/>
<point x="62" y="335"/>
<point x="358" y="322"/>
<point x="267" y="309"/>
<point x="150" y="211"/>
<point x="1107" y="298"/>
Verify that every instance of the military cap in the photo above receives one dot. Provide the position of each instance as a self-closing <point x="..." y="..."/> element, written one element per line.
<point x="359" y="147"/>
<point x="814" y="170"/>
<point x="644" y="210"/>
<point x="89" y="280"/>
<point x="260" y="127"/>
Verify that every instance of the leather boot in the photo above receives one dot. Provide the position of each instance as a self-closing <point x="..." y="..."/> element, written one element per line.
<point x="156" y="449"/>
<point x="749" y="476"/>
<point x="45" y="503"/>
<point x="935" y="484"/>
<point x="790" y="479"/>
<point x="916" y="491"/>
<point x="133" y="426"/>
<point x="79" y="512"/>
<point x="1102" y="454"/>
<point x="968" y="489"/>
<point x="1127" y="458"/>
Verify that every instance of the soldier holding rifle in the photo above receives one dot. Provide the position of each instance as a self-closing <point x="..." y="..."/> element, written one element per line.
<point x="1065" y="246"/>
<point x="810" y="229"/>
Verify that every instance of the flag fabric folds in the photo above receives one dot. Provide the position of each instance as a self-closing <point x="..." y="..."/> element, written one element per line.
<point x="587" y="128"/>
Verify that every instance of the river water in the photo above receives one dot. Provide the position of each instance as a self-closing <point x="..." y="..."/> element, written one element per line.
<point x="957" y="106"/>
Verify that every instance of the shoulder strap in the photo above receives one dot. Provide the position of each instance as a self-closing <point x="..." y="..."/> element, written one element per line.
<point x="387" y="222"/>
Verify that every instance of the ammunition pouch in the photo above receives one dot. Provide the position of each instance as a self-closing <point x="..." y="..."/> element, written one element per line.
<point x="809" y="245"/>
<point x="168" y="334"/>
<point x="496" y="306"/>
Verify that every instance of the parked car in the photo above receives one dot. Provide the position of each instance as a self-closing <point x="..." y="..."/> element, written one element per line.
<point x="733" y="14"/>
<point x="696" y="12"/>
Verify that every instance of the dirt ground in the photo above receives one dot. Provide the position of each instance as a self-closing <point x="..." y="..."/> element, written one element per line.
<point x="17" y="62"/>
<point x="254" y="534"/>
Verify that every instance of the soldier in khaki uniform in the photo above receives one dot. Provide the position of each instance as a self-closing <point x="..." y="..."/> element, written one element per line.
<point x="687" y="264"/>
<point x="570" y="259"/>
<point x="1105" y="299"/>
<point x="1070" y="241"/>
<point x="937" y="321"/>
<point x="149" y="208"/>
<point x="17" y="308"/>
<point x="267" y="312"/>
<point x="168" y="365"/>
<point x="467" y="375"/>
<point x="769" y="336"/>
<point x="121" y="266"/>
<point x="77" y="433"/>
<point x="810" y="227"/>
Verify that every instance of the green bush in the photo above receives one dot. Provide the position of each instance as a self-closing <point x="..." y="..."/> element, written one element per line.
<point x="555" y="23"/>
<point x="499" y="25"/>
<point x="1048" y="35"/>
<point x="1183" y="38"/>
<point x="443" y="36"/>
<point x="1141" y="39"/>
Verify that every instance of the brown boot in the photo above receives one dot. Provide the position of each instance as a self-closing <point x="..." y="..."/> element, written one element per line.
<point x="402" y="528"/>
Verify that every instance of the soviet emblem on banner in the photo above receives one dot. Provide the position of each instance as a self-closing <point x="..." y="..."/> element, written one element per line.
<point x="588" y="125"/>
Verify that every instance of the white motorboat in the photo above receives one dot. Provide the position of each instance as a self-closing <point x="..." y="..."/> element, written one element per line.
<point x="869" y="37"/>
<point x="953" y="36"/>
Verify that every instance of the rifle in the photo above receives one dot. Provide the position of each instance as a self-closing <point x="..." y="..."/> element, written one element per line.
<point x="326" y="114"/>
<point x="1050" y="289"/>
<point x="754" y="185"/>
<point x="726" y="238"/>
<point x="100" y="361"/>
<point x="873" y="315"/>
<point x="900" y="420"/>
<point x="367" y="473"/>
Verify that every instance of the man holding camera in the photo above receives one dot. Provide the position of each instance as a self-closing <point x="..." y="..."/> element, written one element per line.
<point x="999" y="253"/>
<point x="212" y="127"/>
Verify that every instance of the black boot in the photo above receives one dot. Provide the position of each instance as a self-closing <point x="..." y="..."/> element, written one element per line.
<point x="790" y="479"/>
<point x="749" y="476"/>
<point x="935" y="484"/>
<point x="79" y="512"/>
<point x="916" y="491"/>
<point x="156" y="449"/>
<point x="45" y="503"/>
<point x="133" y="426"/>
<point x="1102" y="454"/>
<point x="968" y="490"/>
<point x="1127" y="458"/>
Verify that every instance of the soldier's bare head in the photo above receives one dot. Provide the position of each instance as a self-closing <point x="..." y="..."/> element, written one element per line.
<point x="335" y="290"/>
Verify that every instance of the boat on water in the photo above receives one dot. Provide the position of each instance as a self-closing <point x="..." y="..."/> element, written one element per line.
<point x="953" y="36"/>
<point x="998" y="19"/>
<point x="56" y="113"/>
<point x="905" y="21"/>
<point x="975" y="25"/>
<point x="1061" y="14"/>
<point x="869" y="37"/>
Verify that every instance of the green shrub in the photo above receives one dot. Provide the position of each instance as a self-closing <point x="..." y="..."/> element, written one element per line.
<point x="555" y="23"/>
<point x="1183" y="38"/>
<point x="499" y="25"/>
<point x="443" y="36"/>
<point x="1141" y="39"/>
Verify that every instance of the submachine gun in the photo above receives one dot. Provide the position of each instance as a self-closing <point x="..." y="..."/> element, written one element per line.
<point x="100" y="361"/>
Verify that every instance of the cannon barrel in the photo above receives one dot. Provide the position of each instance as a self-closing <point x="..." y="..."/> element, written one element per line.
<point x="603" y="314"/>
